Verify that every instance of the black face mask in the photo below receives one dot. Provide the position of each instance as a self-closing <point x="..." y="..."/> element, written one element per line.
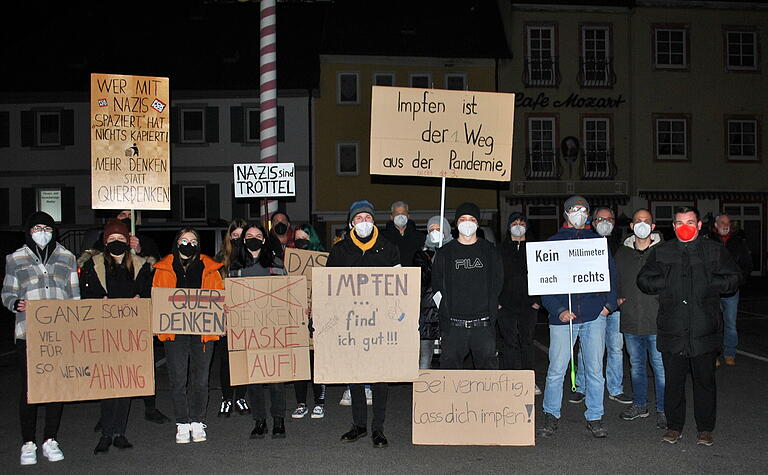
<point x="281" y="229"/>
<point x="301" y="243"/>
<point x="127" y="222"/>
<point x="253" y="244"/>
<point x="187" y="250"/>
<point x="117" y="248"/>
<point x="234" y="242"/>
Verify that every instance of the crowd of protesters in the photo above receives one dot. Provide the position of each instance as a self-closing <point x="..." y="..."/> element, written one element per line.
<point x="671" y="304"/>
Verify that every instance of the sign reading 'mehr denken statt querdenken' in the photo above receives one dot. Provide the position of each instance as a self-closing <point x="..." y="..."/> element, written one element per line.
<point x="130" y="142"/>
<point x="441" y="133"/>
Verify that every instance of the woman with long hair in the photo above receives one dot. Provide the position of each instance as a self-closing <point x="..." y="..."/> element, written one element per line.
<point x="230" y="395"/>
<point x="115" y="273"/>
<point x="187" y="268"/>
<point x="254" y="259"/>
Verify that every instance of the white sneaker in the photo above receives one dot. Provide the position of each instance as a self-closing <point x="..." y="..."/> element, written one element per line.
<point x="28" y="454"/>
<point x="300" y="411"/>
<point x="182" y="433"/>
<point x="198" y="432"/>
<point x="318" y="412"/>
<point x="346" y="398"/>
<point x="537" y="391"/>
<point x="368" y="396"/>
<point x="52" y="451"/>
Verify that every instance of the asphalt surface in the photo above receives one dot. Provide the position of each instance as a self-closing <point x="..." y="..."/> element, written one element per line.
<point x="313" y="446"/>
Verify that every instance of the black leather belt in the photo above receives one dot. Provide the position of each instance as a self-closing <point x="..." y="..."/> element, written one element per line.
<point x="480" y="322"/>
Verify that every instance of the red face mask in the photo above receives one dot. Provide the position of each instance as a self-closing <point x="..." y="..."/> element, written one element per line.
<point x="686" y="232"/>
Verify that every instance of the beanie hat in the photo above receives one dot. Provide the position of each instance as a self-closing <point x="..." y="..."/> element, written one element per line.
<point x="575" y="200"/>
<point x="515" y="216"/>
<point x="467" y="208"/>
<point x="362" y="206"/>
<point x="39" y="217"/>
<point x="115" y="226"/>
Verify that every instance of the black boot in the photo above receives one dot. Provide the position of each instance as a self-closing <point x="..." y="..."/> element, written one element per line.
<point x="260" y="429"/>
<point x="154" y="415"/>
<point x="354" y="433"/>
<point x="103" y="446"/>
<point x="121" y="442"/>
<point x="278" y="428"/>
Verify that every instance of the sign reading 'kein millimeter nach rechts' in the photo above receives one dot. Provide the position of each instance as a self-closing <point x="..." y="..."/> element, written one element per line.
<point x="568" y="267"/>
<point x="441" y="133"/>
<point x="130" y="142"/>
<point x="264" y="180"/>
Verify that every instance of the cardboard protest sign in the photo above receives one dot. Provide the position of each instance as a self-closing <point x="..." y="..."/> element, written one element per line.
<point x="267" y="334"/>
<point x="366" y="322"/>
<point x="574" y="266"/>
<point x="473" y="407"/>
<point x="441" y="133"/>
<point x="188" y="311"/>
<point x="264" y="180"/>
<point x="301" y="262"/>
<point x="130" y="142"/>
<point x="89" y="349"/>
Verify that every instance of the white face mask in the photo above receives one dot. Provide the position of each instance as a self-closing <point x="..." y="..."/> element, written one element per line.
<point x="435" y="236"/>
<point x="517" y="230"/>
<point x="42" y="238"/>
<point x="577" y="218"/>
<point x="400" y="220"/>
<point x="604" y="228"/>
<point x="723" y="231"/>
<point x="467" y="228"/>
<point x="642" y="229"/>
<point x="363" y="229"/>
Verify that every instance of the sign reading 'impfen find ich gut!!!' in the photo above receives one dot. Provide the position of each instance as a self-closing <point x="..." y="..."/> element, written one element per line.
<point x="568" y="267"/>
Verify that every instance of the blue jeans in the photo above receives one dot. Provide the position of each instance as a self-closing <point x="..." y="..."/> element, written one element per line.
<point x="591" y="336"/>
<point x="642" y="349"/>
<point x="614" y="364"/>
<point x="730" y="307"/>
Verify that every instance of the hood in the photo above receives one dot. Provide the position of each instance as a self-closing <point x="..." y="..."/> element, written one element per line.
<point x="655" y="239"/>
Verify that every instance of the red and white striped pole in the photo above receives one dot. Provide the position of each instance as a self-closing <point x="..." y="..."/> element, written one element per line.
<point x="268" y="92"/>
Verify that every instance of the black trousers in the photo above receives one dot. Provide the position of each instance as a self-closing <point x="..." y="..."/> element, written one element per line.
<point x="460" y="342"/>
<point x="227" y="390"/>
<point x="258" y="404"/>
<point x="114" y="416"/>
<point x="28" y="412"/>
<point x="516" y="329"/>
<point x="360" y="407"/>
<point x="300" y="387"/>
<point x="702" y="370"/>
<point x="189" y="365"/>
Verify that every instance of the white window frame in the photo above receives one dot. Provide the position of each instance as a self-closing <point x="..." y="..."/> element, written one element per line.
<point x="553" y="130"/>
<point x="671" y="205"/>
<point x="755" y="51"/>
<point x="378" y="74"/>
<point x="541" y="81"/>
<point x="553" y="149"/>
<point x="247" y="132"/>
<point x="669" y="65"/>
<point x="339" y="76"/>
<point x="686" y="145"/>
<point x="600" y="167"/>
<point x="754" y="144"/>
<point x="463" y="77"/>
<point x="339" y="146"/>
<point x="419" y="75"/>
<point x="39" y="129"/>
<point x="184" y="216"/>
<point x="184" y="139"/>
<point x="605" y="80"/>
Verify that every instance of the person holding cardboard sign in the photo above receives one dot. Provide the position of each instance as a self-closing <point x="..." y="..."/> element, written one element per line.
<point x="469" y="275"/>
<point x="187" y="268"/>
<point x="364" y="247"/>
<point x="254" y="259"/>
<point x="115" y="273"/>
<point x="41" y="269"/>
<point x="587" y="313"/>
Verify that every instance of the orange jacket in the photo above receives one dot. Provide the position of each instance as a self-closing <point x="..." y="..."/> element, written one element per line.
<point x="165" y="276"/>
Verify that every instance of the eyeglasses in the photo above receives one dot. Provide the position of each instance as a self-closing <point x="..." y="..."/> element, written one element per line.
<point x="39" y="229"/>
<point x="186" y="241"/>
<point x="601" y="219"/>
<point x="579" y="209"/>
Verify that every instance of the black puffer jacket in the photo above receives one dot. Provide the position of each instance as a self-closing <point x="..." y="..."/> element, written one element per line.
<point x="736" y="244"/>
<point x="689" y="278"/>
<point x="409" y="243"/>
<point x="345" y="254"/>
<point x="514" y="295"/>
<point x="429" y="320"/>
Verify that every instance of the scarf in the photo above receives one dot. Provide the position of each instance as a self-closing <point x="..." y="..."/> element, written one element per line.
<point x="364" y="246"/>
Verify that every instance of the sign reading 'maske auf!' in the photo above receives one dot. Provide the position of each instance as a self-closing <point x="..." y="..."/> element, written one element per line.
<point x="568" y="267"/>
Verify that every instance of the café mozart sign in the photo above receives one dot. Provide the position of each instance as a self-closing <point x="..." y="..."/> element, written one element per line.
<point x="573" y="101"/>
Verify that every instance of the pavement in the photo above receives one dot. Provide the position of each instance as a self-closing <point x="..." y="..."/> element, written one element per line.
<point x="313" y="446"/>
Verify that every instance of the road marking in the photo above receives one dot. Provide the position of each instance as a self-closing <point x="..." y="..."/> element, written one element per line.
<point x="752" y="355"/>
<point x="756" y="316"/>
<point x="541" y="347"/>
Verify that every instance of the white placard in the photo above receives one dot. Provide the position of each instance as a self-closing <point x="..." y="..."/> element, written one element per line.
<point x="574" y="266"/>
<point x="264" y="180"/>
